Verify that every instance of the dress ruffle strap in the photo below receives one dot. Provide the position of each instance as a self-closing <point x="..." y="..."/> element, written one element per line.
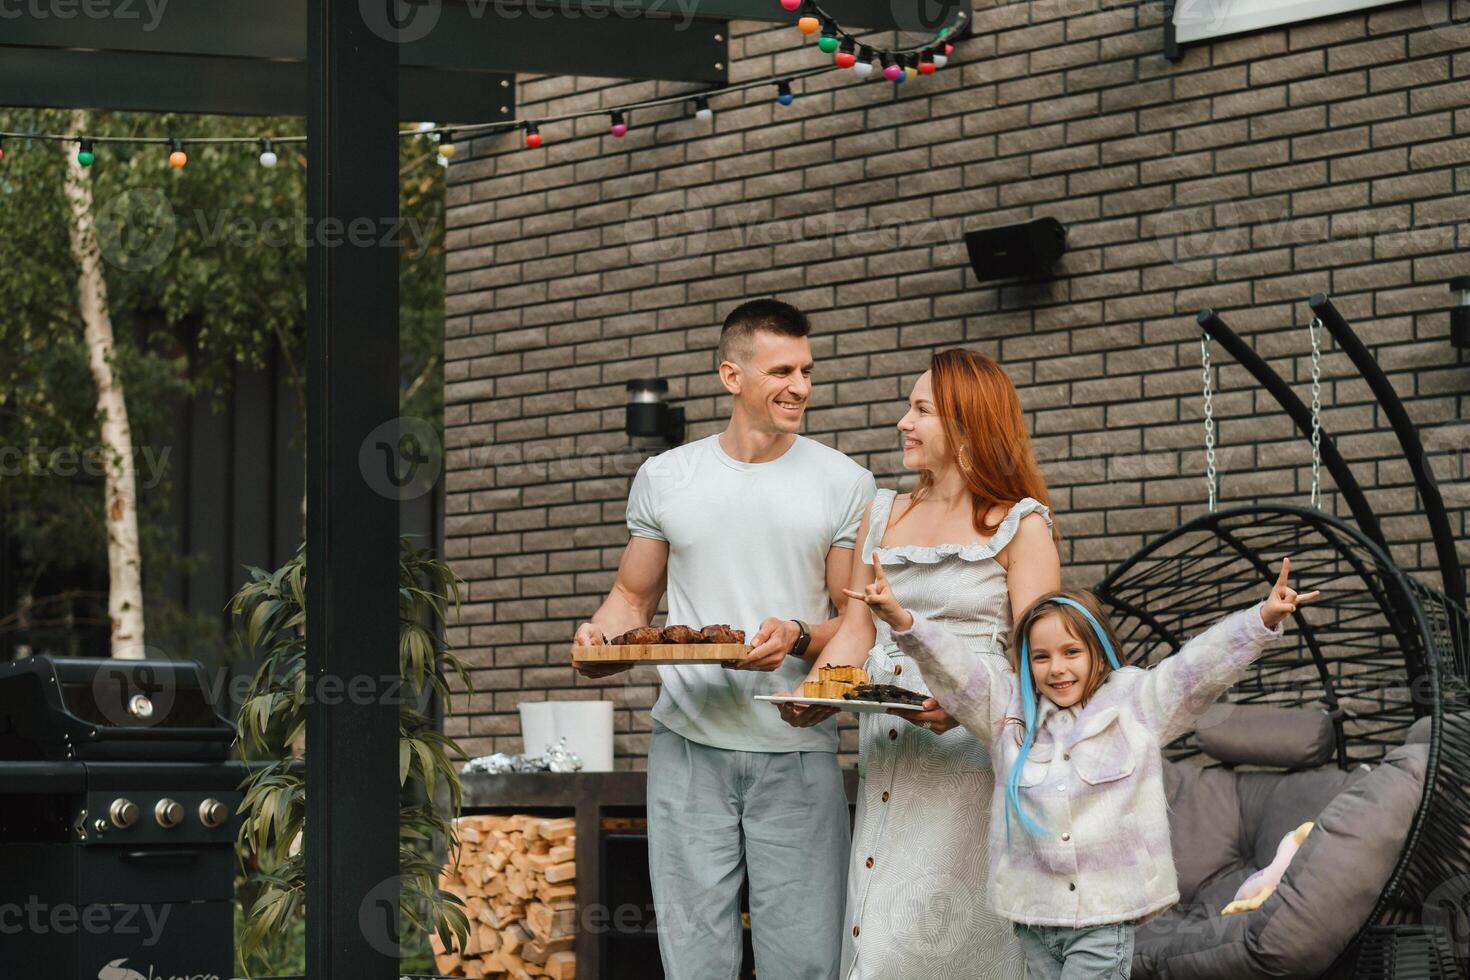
<point x="930" y="555"/>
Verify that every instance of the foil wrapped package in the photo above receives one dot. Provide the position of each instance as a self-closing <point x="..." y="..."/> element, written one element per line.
<point x="556" y="758"/>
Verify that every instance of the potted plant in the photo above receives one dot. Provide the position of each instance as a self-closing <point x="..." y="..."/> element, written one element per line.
<point x="269" y="613"/>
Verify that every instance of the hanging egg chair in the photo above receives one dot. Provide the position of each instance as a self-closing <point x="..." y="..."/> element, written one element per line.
<point x="1379" y="661"/>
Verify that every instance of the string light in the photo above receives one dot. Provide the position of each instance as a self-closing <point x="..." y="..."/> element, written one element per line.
<point x="896" y="66"/>
<point x="829" y="42"/>
<point x="845" y="58"/>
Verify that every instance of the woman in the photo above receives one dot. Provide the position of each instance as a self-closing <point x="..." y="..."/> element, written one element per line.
<point x="970" y="548"/>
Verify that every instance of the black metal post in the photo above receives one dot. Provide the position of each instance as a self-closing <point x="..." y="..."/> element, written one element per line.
<point x="351" y="529"/>
<point x="1408" y="435"/>
<point x="1347" y="484"/>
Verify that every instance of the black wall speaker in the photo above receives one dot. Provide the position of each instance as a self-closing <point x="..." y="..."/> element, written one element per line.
<point x="1016" y="251"/>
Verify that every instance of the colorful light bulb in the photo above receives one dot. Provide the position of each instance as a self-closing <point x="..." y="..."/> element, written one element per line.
<point x="940" y="60"/>
<point x="783" y="92"/>
<point x="267" y="154"/>
<point x="446" y="144"/>
<point x="85" y="156"/>
<point x="892" y="70"/>
<point x="926" y="64"/>
<point x="619" y="124"/>
<point x="702" y="111"/>
<point x="829" y="41"/>
<point x="863" y="67"/>
<point x="533" y="136"/>
<point x="791" y="5"/>
<point x="176" y="156"/>
<point x="809" y="24"/>
<point x="845" y="58"/>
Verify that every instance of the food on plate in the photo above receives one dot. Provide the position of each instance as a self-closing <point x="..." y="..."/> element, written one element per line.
<point x="683" y="635"/>
<point x="722" y="633"/>
<point x="638" y="637"/>
<point x="834" y="682"/>
<point x="884" y="692"/>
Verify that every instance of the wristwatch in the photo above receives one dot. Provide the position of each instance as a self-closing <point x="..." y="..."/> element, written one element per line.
<point x="802" y="642"/>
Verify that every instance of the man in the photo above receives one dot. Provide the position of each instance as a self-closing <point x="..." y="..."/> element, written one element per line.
<point x="754" y="527"/>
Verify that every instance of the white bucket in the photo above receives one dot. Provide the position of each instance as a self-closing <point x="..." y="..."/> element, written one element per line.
<point x="586" y="725"/>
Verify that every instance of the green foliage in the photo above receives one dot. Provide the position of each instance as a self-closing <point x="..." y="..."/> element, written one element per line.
<point x="206" y="276"/>
<point x="269" y="613"/>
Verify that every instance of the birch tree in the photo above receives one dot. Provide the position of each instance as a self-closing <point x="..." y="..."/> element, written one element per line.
<point x="120" y="479"/>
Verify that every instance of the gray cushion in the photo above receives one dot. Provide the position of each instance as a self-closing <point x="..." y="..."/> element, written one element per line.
<point x="1226" y="826"/>
<point x="1326" y="894"/>
<point x="1262" y="735"/>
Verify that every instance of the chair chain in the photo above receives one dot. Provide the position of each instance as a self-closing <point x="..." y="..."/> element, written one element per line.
<point x="1210" y="473"/>
<point x="1313" y="329"/>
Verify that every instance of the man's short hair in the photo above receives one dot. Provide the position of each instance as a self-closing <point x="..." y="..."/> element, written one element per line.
<point x="759" y="314"/>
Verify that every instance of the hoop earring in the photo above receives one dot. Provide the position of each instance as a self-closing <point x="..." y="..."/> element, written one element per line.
<point x="963" y="459"/>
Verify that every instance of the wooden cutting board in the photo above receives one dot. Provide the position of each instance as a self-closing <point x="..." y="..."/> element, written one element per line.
<point x="663" y="653"/>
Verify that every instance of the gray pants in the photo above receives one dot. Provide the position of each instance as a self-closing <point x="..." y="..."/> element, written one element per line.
<point x="716" y="817"/>
<point x="1093" y="953"/>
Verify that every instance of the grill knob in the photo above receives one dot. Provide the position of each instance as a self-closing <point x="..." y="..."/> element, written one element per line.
<point x="123" y="813"/>
<point x="168" y="813"/>
<point x="213" y="813"/>
<point x="140" y="707"/>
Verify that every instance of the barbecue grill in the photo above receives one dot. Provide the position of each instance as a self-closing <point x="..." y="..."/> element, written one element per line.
<point x="117" y="822"/>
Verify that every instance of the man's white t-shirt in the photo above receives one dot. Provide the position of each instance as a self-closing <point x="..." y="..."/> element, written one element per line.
<point x="746" y="541"/>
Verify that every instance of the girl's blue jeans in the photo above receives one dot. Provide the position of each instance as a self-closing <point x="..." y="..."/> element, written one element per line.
<point x="1093" y="953"/>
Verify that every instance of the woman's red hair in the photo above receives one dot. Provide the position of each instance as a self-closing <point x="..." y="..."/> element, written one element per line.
<point x="980" y="412"/>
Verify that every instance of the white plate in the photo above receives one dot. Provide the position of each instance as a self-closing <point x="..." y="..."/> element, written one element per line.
<point x="860" y="707"/>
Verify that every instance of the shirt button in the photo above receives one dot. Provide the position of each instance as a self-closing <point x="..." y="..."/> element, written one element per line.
<point x="855" y="931"/>
<point x="1071" y="887"/>
<point x="1066" y="837"/>
<point x="893" y="734"/>
<point x="898" y="668"/>
<point x="885" y="796"/>
<point x="870" y="862"/>
<point x="1066" y="757"/>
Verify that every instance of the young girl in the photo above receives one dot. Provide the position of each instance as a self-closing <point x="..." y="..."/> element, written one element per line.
<point x="1079" y="827"/>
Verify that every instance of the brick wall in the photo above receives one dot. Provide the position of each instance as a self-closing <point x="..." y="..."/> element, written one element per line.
<point x="1257" y="170"/>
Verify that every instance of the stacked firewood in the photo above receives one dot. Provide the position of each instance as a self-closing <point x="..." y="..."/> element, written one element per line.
<point x="517" y="877"/>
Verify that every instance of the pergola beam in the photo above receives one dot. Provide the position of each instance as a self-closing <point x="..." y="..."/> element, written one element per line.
<point x="351" y="527"/>
<point x="137" y="82"/>
<point x="441" y="35"/>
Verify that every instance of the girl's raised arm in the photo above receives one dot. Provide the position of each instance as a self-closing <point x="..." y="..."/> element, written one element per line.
<point x="1178" y="691"/>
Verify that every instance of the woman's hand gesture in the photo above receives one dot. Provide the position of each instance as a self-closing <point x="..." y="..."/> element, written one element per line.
<point x="879" y="597"/>
<point x="1283" y="600"/>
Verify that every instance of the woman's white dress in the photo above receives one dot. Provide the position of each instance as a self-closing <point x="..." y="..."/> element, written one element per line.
<point x="917" y="907"/>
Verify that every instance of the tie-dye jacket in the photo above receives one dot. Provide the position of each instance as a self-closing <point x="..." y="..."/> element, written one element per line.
<point x="1093" y="778"/>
